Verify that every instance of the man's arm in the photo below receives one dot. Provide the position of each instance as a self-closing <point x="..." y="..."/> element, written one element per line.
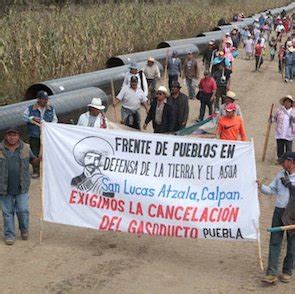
<point x="55" y="119"/>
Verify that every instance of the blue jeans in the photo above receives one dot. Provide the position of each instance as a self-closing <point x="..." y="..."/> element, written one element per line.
<point x="289" y="72"/>
<point x="275" y="244"/>
<point x="15" y="204"/>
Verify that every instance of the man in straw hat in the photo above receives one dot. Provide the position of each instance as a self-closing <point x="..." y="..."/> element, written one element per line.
<point x="94" y="117"/>
<point x="280" y="188"/>
<point x="229" y="97"/>
<point x="230" y="127"/>
<point x="131" y="97"/>
<point x="134" y="70"/>
<point x="36" y="114"/>
<point x="161" y="113"/>
<point x="289" y="62"/>
<point x="285" y="125"/>
<point x="152" y="73"/>
<point x="15" y="157"/>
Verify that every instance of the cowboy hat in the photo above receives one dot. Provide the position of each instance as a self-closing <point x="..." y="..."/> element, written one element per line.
<point x="96" y="103"/>
<point x="151" y="59"/>
<point x="162" y="89"/>
<point x="286" y="97"/>
<point x="231" y="95"/>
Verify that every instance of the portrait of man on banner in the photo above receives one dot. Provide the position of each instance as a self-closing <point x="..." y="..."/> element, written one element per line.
<point x="90" y="153"/>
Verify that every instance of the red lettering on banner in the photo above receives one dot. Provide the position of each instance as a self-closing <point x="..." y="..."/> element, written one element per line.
<point x="137" y="210"/>
<point x="110" y="223"/>
<point x="73" y="197"/>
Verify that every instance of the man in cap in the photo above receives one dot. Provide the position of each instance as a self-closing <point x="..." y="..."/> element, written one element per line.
<point x="15" y="157"/>
<point x="207" y="91"/>
<point x="208" y="56"/>
<point x="131" y="98"/>
<point x="161" y="113"/>
<point x="229" y="97"/>
<point x="134" y="70"/>
<point x="280" y="188"/>
<point x="230" y="127"/>
<point x="95" y="116"/>
<point x="179" y="102"/>
<point x="174" y="68"/>
<point x="152" y="73"/>
<point x="289" y="62"/>
<point x="191" y="74"/>
<point x="34" y="115"/>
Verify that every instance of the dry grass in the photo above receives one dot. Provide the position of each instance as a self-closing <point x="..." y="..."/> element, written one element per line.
<point x="43" y="44"/>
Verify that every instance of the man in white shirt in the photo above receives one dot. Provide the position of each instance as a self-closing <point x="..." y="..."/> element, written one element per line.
<point x="131" y="98"/>
<point x="95" y="117"/>
<point x="152" y="73"/>
<point x="135" y="71"/>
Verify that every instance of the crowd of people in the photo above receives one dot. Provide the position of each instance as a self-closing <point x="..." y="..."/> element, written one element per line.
<point x="167" y="108"/>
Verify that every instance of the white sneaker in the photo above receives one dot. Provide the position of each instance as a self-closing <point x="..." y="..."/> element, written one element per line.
<point x="291" y="80"/>
<point x="286" y="80"/>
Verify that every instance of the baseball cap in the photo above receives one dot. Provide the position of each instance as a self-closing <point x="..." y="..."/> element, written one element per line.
<point x="289" y="155"/>
<point x="42" y="95"/>
<point x="12" y="130"/>
<point x="230" y="107"/>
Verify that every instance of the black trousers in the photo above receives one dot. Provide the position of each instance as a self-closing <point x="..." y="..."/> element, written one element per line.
<point x="35" y="145"/>
<point x="283" y="146"/>
<point x="205" y="99"/>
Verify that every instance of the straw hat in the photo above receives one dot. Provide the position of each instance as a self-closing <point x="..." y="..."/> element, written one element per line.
<point x="286" y="97"/>
<point x="96" y="103"/>
<point x="162" y="89"/>
<point x="151" y="59"/>
<point x="231" y="95"/>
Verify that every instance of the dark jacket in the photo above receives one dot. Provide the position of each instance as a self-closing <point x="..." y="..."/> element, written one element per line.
<point x="168" y="118"/>
<point x="207" y="56"/>
<point x="34" y="131"/>
<point x="24" y="169"/>
<point x="180" y="109"/>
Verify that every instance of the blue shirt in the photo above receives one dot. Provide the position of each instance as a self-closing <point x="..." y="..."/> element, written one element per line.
<point x="278" y="189"/>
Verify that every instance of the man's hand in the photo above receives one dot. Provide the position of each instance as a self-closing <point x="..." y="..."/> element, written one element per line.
<point x="36" y="119"/>
<point x="144" y="126"/>
<point x="259" y="183"/>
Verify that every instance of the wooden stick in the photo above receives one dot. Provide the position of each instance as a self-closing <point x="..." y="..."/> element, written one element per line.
<point x="267" y="133"/>
<point x="114" y="99"/>
<point x="166" y="68"/>
<point x="259" y="247"/>
<point x="283" y="228"/>
<point x="41" y="183"/>
<point x="211" y="61"/>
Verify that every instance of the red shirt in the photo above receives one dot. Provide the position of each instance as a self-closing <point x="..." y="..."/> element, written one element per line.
<point x="208" y="85"/>
<point x="258" y="50"/>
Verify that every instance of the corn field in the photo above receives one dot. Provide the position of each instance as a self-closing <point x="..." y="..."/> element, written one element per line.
<point x="48" y="42"/>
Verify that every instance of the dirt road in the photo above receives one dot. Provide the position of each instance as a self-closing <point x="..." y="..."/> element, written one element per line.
<point x="75" y="260"/>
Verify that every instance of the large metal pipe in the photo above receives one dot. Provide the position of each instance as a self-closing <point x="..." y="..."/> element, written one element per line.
<point x="67" y="105"/>
<point x="100" y="79"/>
<point x="158" y="54"/>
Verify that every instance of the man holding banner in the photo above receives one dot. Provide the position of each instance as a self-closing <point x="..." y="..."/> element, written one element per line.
<point x="279" y="188"/>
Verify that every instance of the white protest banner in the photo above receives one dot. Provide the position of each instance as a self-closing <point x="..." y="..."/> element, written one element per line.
<point x="151" y="184"/>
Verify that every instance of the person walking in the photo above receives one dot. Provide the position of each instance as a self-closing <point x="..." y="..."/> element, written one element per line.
<point x="15" y="157"/>
<point x="280" y="188"/>
<point x="289" y="62"/>
<point x="208" y="56"/>
<point x="134" y="70"/>
<point x="258" y="55"/>
<point x="161" y="113"/>
<point x="94" y="117"/>
<point x="229" y="98"/>
<point x="231" y="127"/>
<point x="207" y="90"/>
<point x="191" y="74"/>
<point x="174" y="68"/>
<point x="36" y="114"/>
<point x="131" y="98"/>
<point x="179" y="102"/>
<point x="285" y="125"/>
<point x="152" y="74"/>
<point x="222" y="78"/>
